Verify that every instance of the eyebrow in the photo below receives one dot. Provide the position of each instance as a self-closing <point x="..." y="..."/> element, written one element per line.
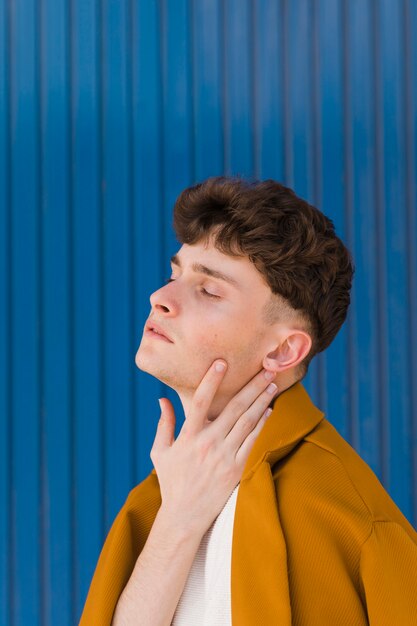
<point x="208" y="271"/>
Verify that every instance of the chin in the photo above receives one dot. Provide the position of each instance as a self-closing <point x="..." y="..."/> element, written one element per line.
<point x="146" y="364"/>
<point x="164" y="374"/>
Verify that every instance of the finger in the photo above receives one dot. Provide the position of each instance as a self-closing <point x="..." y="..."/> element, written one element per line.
<point x="203" y="396"/>
<point x="243" y="452"/>
<point x="241" y="402"/>
<point x="165" y="433"/>
<point x="249" y="419"/>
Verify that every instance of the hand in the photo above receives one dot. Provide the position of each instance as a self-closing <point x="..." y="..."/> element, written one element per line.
<point x="199" y="470"/>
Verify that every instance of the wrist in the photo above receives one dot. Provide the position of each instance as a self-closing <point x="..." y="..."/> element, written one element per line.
<point x="178" y="528"/>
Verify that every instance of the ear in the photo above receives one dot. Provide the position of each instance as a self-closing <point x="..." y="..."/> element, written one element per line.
<point x="289" y="353"/>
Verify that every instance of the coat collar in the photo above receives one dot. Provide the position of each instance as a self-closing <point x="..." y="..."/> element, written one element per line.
<point x="293" y="416"/>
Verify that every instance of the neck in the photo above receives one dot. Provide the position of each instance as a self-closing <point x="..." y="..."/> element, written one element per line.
<point x="283" y="381"/>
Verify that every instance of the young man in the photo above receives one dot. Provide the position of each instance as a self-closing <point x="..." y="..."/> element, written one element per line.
<point x="251" y="516"/>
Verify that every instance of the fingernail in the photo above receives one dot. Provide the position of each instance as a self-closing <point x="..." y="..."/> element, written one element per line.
<point x="271" y="388"/>
<point x="269" y="375"/>
<point x="220" y="366"/>
<point x="268" y="412"/>
<point x="160" y="404"/>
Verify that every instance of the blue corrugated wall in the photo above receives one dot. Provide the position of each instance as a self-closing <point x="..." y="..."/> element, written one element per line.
<point x="108" y="108"/>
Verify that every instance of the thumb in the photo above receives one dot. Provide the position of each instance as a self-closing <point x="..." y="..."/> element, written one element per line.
<point x="166" y="425"/>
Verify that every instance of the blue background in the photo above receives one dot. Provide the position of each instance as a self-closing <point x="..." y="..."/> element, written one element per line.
<point x="108" y="109"/>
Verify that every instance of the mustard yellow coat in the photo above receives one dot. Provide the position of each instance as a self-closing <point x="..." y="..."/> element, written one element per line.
<point x="317" y="541"/>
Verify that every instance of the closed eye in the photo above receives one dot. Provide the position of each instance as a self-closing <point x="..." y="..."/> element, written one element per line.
<point x="208" y="294"/>
<point x="202" y="290"/>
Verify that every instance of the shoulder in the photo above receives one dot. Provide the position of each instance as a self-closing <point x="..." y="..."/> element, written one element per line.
<point x="324" y="482"/>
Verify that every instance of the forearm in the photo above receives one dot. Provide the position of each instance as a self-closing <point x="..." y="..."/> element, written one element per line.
<point x="158" y="579"/>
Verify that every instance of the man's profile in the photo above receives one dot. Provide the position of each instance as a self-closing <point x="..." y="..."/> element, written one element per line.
<point x="259" y="512"/>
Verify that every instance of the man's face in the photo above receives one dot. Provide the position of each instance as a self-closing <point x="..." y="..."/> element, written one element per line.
<point x="207" y="317"/>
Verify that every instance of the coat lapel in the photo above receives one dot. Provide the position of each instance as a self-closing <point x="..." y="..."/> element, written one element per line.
<point x="259" y="585"/>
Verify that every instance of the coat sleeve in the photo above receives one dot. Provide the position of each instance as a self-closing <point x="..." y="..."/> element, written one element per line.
<point x="122" y="547"/>
<point x="388" y="573"/>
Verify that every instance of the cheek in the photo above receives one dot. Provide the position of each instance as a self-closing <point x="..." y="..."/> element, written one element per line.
<point x="212" y="337"/>
<point x="208" y="343"/>
<point x="236" y="344"/>
<point x="234" y="337"/>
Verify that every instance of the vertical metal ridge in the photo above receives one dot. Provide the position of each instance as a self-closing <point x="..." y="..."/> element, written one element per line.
<point x="222" y="80"/>
<point x="282" y="78"/>
<point x="25" y="246"/>
<point x="73" y="299"/>
<point x="163" y="63"/>
<point x="9" y="307"/>
<point x="71" y="315"/>
<point x="380" y="263"/>
<point x="288" y="153"/>
<point x="164" y="133"/>
<point x="191" y="65"/>
<point x="44" y="547"/>
<point x="315" y="118"/>
<point x="130" y="26"/>
<point x="100" y="82"/>
<point x="254" y="126"/>
<point x="12" y="516"/>
<point x="254" y="88"/>
<point x="225" y="112"/>
<point x="162" y="197"/>
<point x="316" y="159"/>
<point x="348" y="197"/>
<point x="409" y="132"/>
<point x="134" y="53"/>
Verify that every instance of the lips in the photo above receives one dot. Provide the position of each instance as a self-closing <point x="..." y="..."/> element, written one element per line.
<point x="151" y="327"/>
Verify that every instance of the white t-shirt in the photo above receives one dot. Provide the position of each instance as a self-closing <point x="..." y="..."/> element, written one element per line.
<point x="206" y="598"/>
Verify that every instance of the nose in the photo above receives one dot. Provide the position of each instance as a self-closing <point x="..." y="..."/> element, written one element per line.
<point x="164" y="301"/>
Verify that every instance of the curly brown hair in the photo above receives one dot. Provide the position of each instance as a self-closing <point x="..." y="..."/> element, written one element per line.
<point x="291" y="243"/>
